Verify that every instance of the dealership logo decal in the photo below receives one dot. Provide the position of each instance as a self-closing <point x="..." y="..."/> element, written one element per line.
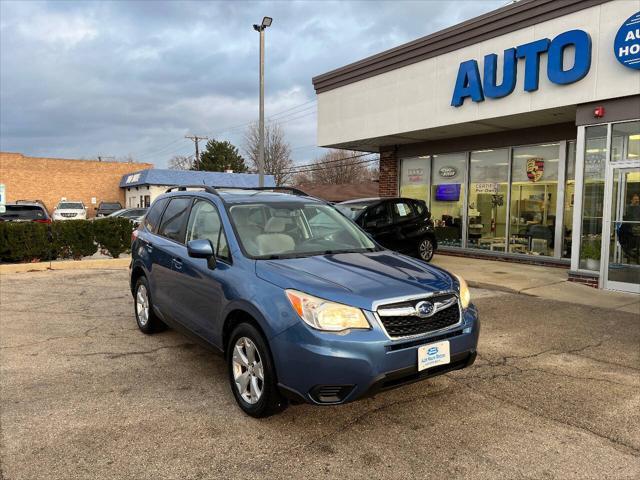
<point x="626" y="45"/>
<point x="448" y="172"/>
<point x="415" y="174"/>
<point x="535" y="169"/>
<point x="469" y="84"/>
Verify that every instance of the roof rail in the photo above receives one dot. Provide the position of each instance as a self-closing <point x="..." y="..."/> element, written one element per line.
<point x="183" y="188"/>
<point x="293" y="190"/>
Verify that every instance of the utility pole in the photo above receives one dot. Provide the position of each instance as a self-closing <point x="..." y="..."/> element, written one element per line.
<point x="196" y="139"/>
<point x="266" y="22"/>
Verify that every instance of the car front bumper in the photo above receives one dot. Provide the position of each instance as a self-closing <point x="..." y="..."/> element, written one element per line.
<point x="328" y="368"/>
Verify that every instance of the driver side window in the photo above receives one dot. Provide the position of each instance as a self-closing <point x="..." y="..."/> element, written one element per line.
<point x="204" y="223"/>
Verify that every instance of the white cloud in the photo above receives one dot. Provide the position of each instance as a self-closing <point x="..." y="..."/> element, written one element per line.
<point x="61" y="30"/>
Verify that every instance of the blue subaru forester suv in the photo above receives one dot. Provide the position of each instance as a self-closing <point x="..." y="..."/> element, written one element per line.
<point x="303" y="304"/>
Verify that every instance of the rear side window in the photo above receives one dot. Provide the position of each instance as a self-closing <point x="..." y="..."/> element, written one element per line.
<point x="174" y="219"/>
<point x="152" y="220"/>
<point x="420" y="207"/>
<point x="402" y="210"/>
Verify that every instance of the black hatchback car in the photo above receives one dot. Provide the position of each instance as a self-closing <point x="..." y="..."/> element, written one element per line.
<point x="400" y="224"/>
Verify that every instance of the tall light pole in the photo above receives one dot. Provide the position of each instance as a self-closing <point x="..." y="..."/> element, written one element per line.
<point x="266" y="22"/>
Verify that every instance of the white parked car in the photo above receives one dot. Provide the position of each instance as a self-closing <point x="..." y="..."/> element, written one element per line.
<point x="70" y="210"/>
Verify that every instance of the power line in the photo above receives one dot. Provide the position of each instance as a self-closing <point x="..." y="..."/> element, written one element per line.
<point x="360" y="162"/>
<point x="331" y="161"/>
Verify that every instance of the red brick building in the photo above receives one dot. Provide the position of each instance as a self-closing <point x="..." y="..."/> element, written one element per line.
<point x="51" y="179"/>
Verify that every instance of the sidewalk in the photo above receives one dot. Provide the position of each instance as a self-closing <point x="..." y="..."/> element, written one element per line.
<point x="538" y="281"/>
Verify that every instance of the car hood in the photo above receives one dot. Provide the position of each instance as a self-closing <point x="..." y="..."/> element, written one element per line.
<point x="357" y="279"/>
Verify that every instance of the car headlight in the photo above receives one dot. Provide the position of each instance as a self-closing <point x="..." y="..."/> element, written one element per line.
<point x="325" y="315"/>
<point x="465" y="295"/>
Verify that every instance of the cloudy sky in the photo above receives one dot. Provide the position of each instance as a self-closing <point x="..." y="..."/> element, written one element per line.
<point x="86" y="78"/>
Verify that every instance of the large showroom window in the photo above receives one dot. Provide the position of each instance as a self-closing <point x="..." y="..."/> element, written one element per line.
<point x="595" y="155"/>
<point x="569" y="197"/>
<point x="489" y="185"/>
<point x="414" y="180"/>
<point x="447" y="197"/>
<point x="534" y="192"/>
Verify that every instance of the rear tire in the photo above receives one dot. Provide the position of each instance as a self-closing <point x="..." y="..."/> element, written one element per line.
<point x="252" y="376"/>
<point x="425" y="249"/>
<point x="148" y="322"/>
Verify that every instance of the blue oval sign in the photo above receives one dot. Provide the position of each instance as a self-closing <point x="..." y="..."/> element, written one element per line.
<point x="626" y="45"/>
<point x="432" y="351"/>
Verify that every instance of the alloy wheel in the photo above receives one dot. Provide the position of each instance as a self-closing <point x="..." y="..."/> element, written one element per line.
<point x="248" y="372"/>
<point x="426" y="249"/>
<point x="142" y="305"/>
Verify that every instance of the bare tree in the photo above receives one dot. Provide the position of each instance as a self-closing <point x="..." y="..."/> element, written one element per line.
<point x="338" y="167"/>
<point x="277" y="151"/>
<point x="181" y="162"/>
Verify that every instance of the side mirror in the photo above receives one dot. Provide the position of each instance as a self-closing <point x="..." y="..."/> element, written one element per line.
<point x="202" y="248"/>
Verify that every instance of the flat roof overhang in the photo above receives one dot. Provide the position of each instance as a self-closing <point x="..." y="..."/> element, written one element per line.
<point x="475" y="128"/>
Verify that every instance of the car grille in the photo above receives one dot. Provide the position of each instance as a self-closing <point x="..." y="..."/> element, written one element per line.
<point x="68" y="215"/>
<point x="408" y="325"/>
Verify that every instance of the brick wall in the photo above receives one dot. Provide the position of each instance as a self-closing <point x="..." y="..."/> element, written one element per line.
<point x="388" y="185"/>
<point x="50" y="179"/>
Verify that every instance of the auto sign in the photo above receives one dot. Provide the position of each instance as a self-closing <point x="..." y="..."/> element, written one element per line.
<point x="626" y="45"/>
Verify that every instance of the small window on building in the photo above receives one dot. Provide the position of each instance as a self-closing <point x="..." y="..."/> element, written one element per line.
<point x="147" y="201"/>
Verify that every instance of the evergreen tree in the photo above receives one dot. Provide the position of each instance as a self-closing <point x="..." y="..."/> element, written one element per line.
<point x="219" y="156"/>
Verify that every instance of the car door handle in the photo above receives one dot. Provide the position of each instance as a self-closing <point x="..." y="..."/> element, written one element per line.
<point x="177" y="263"/>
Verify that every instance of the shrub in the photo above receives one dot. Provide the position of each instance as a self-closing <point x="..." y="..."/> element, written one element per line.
<point x="25" y="242"/>
<point x="113" y="235"/>
<point x="74" y="238"/>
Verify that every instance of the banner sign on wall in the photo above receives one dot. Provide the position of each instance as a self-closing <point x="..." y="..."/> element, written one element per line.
<point x="626" y="45"/>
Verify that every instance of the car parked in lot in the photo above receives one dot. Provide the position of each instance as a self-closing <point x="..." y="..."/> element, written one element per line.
<point x="25" y="211"/>
<point x="107" y="208"/>
<point x="304" y="305"/>
<point x="135" y="215"/>
<point x="70" y="210"/>
<point x="400" y="224"/>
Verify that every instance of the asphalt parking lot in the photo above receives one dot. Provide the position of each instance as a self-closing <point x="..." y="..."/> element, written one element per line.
<point x="555" y="393"/>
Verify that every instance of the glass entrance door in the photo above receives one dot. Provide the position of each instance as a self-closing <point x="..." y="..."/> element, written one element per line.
<point x="621" y="242"/>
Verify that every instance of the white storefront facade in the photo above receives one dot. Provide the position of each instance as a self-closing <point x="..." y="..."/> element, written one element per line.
<point x="519" y="128"/>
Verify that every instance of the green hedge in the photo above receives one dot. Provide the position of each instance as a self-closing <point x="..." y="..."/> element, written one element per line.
<point x="31" y="241"/>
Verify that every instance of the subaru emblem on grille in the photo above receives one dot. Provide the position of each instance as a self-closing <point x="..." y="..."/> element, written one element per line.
<point x="424" y="309"/>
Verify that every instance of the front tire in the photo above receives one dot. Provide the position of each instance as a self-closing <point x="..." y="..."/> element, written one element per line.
<point x="426" y="249"/>
<point x="251" y="373"/>
<point x="148" y="322"/>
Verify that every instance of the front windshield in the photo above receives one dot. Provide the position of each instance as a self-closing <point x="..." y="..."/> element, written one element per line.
<point x="290" y="230"/>
<point x="70" y="206"/>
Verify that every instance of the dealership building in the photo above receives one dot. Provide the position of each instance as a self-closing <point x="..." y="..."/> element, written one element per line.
<point x="519" y="128"/>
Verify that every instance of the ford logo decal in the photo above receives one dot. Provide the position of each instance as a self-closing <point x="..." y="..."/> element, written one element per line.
<point x="432" y="351"/>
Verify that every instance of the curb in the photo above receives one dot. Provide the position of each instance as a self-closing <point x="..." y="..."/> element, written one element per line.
<point x="95" y="264"/>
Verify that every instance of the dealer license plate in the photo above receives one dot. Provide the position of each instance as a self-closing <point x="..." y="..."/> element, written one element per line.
<point x="433" y="354"/>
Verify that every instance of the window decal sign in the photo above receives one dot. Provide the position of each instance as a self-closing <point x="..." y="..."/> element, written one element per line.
<point x="535" y="169"/>
<point x="448" y="172"/>
<point x="626" y="45"/>
<point x="469" y="84"/>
